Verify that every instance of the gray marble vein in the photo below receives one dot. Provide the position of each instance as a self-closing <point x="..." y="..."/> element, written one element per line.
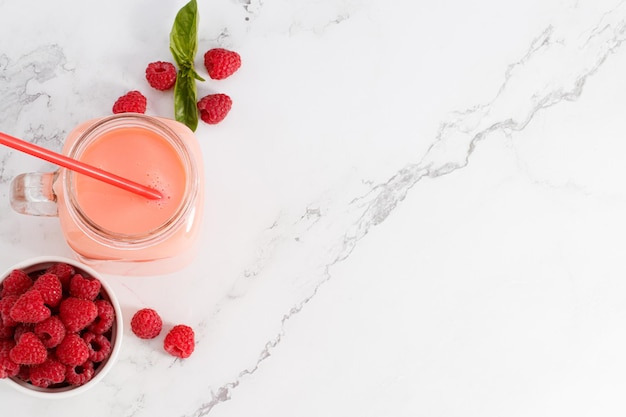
<point x="554" y="69"/>
<point x="38" y="66"/>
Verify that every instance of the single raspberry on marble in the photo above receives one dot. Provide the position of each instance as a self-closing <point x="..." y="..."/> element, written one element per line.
<point x="50" y="331"/>
<point x="221" y="63"/>
<point x="99" y="346"/>
<point x="79" y="374"/>
<point x="29" y="350"/>
<point x="180" y="341"/>
<point x="76" y="313"/>
<point x="161" y="75"/>
<point x="8" y="368"/>
<point x="146" y="323"/>
<point x="50" y="287"/>
<point x="30" y="308"/>
<point x="64" y="273"/>
<point x="131" y="102"/>
<point x="16" y="283"/>
<point x="72" y="350"/>
<point x="84" y="287"/>
<point x="105" y="318"/>
<point x="48" y="373"/>
<point x="6" y="304"/>
<point x="214" y="108"/>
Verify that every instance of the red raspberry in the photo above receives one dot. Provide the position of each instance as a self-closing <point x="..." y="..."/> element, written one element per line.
<point x="79" y="375"/>
<point x="22" y="328"/>
<point x="180" y="341"/>
<point x="161" y="75"/>
<point x="48" y="373"/>
<point x="50" y="331"/>
<point x="221" y="63"/>
<point x="72" y="350"/>
<point x="99" y="346"/>
<point x="105" y="318"/>
<point x="50" y="288"/>
<point x="29" y="350"/>
<point x="85" y="288"/>
<point x="8" y="368"/>
<point x="29" y="308"/>
<point x="76" y="313"/>
<point x="146" y="323"/>
<point x="64" y="272"/>
<point x="6" y="304"/>
<point x="131" y="102"/>
<point x="16" y="283"/>
<point x="214" y="108"/>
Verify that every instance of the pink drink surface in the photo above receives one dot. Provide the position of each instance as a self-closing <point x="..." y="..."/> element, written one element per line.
<point x="139" y="155"/>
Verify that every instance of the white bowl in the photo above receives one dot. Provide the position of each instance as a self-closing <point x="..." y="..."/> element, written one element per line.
<point x="42" y="263"/>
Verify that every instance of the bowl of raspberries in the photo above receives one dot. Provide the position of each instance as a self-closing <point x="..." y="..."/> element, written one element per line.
<point x="60" y="327"/>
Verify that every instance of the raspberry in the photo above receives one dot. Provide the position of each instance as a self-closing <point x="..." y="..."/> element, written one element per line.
<point x="85" y="288"/>
<point x="16" y="283"/>
<point x="29" y="350"/>
<point x="29" y="308"/>
<point x="64" y="272"/>
<point x="8" y="368"/>
<point x="6" y="303"/>
<point x="146" y="323"/>
<point x="72" y="350"/>
<point x="22" y="328"/>
<point x="79" y="375"/>
<point x="76" y="313"/>
<point x="221" y="63"/>
<point x="50" y="288"/>
<point x="105" y="318"/>
<point x="161" y="75"/>
<point x="50" y="331"/>
<point x="180" y="341"/>
<point x="99" y="346"/>
<point x="214" y="108"/>
<point x="131" y="102"/>
<point x="48" y="373"/>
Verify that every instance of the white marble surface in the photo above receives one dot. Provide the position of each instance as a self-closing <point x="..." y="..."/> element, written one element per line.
<point x="413" y="209"/>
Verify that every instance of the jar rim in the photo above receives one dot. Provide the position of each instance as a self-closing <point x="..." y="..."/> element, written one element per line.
<point x="169" y="226"/>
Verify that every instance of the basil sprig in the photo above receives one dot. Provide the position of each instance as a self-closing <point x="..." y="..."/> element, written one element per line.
<point x="184" y="45"/>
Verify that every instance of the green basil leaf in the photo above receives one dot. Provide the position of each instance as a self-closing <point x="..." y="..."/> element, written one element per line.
<point x="184" y="35"/>
<point x="185" y="99"/>
<point x="184" y="45"/>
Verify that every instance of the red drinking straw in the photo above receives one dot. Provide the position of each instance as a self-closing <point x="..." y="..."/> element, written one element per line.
<point x="77" y="166"/>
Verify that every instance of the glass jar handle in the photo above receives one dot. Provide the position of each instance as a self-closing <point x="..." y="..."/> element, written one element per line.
<point x="32" y="194"/>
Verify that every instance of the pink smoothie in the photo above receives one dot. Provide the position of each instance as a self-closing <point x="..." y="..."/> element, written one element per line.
<point x="144" y="157"/>
<point x="139" y="155"/>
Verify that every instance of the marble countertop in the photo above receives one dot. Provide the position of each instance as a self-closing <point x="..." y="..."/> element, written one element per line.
<point x="413" y="208"/>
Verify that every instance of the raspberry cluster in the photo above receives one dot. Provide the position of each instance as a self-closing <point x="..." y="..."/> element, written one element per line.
<point x="220" y="63"/>
<point x="179" y="341"/>
<point x="55" y="326"/>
